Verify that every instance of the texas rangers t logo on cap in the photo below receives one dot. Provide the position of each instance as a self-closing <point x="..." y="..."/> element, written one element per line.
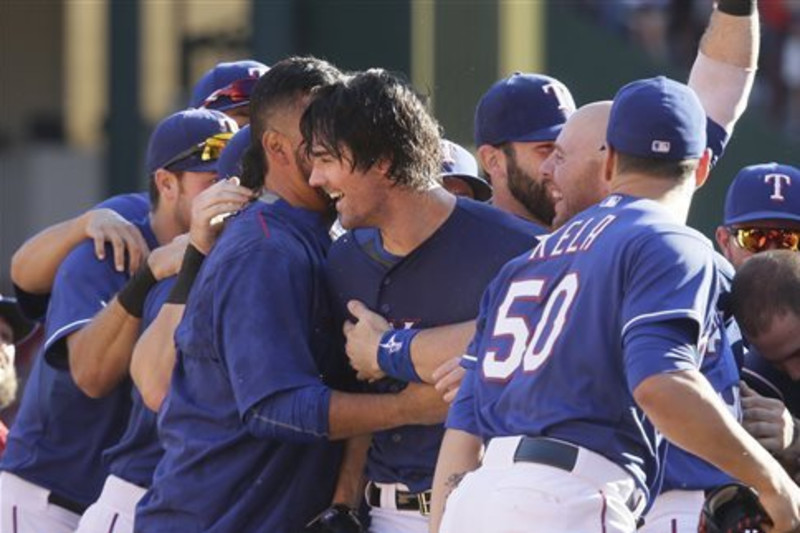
<point x="778" y="182"/>
<point x="562" y="94"/>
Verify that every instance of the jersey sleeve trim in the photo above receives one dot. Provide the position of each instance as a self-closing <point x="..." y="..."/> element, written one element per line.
<point x="661" y="316"/>
<point x="64" y="330"/>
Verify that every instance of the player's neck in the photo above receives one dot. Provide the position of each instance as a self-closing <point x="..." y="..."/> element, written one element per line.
<point x="673" y="195"/>
<point x="411" y="217"/>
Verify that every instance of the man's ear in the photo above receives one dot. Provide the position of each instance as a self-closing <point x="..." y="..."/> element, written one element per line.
<point x="491" y="159"/>
<point x="609" y="164"/>
<point x="167" y="184"/>
<point x="723" y="238"/>
<point x="703" y="169"/>
<point x="274" y="145"/>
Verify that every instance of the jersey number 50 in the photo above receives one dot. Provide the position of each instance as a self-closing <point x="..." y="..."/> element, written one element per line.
<point x="527" y="348"/>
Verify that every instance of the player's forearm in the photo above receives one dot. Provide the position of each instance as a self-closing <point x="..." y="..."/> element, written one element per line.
<point x="35" y="263"/>
<point x="359" y="414"/>
<point x="100" y="353"/>
<point x="458" y="456"/>
<point x="711" y="433"/>
<point x="350" y="484"/>
<point x="433" y="347"/>
<point x="154" y="356"/>
<point x="732" y="39"/>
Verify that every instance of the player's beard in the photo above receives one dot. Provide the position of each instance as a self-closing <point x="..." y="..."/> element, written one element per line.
<point x="529" y="191"/>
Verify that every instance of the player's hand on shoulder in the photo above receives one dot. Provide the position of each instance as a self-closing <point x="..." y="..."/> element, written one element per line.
<point x="767" y="420"/>
<point x="107" y="226"/>
<point x="165" y="261"/>
<point x="211" y="207"/>
<point x="362" y="338"/>
<point x="335" y="519"/>
<point x="448" y="378"/>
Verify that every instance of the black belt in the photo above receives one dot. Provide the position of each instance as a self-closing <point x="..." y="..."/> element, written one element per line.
<point x="405" y="501"/>
<point x="558" y="454"/>
<point x="66" y="503"/>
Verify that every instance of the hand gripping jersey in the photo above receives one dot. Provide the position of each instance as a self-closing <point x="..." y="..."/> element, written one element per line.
<point x="439" y="283"/>
<point x="548" y="359"/>
<point x="60" y="433"/>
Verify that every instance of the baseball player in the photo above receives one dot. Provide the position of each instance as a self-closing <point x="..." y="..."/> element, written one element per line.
<point x="516" y="122"/>
<point x="762" y="212"/>
<point x="766" y="302"/>
<point x="154" y="354"/>
<point x="406" y="257"/>
<point x="460" y="173"/>
<point x="227" y="88"/>
<point x="727" y="56"/>
<point x="570" y="441"/>
<point x="249" y="397"/>
<point x="52" y="469"/>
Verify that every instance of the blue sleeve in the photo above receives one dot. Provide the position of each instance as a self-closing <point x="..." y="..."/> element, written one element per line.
<point x="669" y="278"/>
<point x="716" y="139"/>
<point x="83" y="287"/>
<point x="297" y="415"/>
<point x="462" y="412"/>
<point x="656" y="348"/>
<point x="263" y="314"/>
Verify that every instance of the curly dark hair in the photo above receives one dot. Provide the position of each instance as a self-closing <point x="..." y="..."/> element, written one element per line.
<point x="282" y="86"/>
<point x="376" y="116"/>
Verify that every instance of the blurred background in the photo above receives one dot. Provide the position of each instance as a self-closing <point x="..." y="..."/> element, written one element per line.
<point x="82" y="82"/>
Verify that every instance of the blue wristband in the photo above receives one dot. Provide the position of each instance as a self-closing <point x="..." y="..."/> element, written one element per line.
<point x="394" y="354"/>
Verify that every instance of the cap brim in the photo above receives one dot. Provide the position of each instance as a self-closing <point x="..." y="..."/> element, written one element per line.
<point x="481" y="190"/>
<point x="21" y="326"/>
<point x="540" y="135"/>
<point x="763" y="215"/>
<point x="195" y="165"/>
<point x="228" y="106"/>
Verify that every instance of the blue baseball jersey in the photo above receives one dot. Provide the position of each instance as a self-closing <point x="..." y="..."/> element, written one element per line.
<point x="768" y="381"/>
<point x="685" y="471"/>
<point x="439" y="283"/>
<point x="60" y="433"/>
<point x="257" y="325"/>
<point x="131" y="207"/>
<point x="135" y="456"/>
<point x="548" y="356"/>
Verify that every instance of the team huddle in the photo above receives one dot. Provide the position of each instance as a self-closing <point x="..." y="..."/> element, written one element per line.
<point x="324" y="317"/>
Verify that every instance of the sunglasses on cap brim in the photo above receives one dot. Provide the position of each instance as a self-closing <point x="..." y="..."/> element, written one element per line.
<point x="237" y="92"/>
<point x="208" y="150"/>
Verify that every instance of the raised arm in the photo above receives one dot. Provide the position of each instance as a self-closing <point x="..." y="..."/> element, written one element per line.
<point x="723" y="73"/>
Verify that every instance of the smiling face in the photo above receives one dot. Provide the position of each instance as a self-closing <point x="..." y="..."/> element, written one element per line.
<point x="359" y="196"/>
<point x="573" y="172"/>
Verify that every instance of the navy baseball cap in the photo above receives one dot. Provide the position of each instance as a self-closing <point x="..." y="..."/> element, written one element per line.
<point x="179" y="140"/>
<point x="10" y="311"/>
<point x="522" y="107"/>
<point x="657" y="118"/>
<point x="769" y="191"/>
<point x="209" y="91"/>
<point x="457" y="162"/>
<point x="229" y="163"/>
